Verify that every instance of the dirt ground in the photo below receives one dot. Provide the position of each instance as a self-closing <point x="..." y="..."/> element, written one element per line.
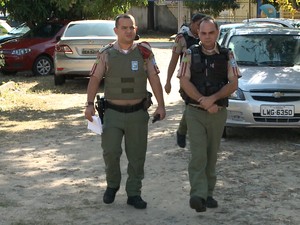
<point x="52" y="170"/>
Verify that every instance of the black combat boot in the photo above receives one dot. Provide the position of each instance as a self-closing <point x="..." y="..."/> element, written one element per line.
<point x="137" y="202"/>
<point x="198" y="204"/>
<point x="109" y="195"/>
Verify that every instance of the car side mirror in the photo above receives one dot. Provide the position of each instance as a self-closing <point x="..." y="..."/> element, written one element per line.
<point x="58" y="38"/>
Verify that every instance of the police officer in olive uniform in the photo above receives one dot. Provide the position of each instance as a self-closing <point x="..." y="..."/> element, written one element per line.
<point x="126" y="66"/>
<point x="208" y="75"/>
<point x="182" y="42"/>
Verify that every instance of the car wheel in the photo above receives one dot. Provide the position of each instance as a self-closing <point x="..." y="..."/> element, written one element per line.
<point x="42" y="66"/>
<point x="59" y="79"/>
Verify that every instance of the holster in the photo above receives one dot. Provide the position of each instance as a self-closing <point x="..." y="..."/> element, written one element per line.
<point x="147" y="101"/>
<point x="100" y="106"/>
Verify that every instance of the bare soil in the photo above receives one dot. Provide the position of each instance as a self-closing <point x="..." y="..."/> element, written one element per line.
<point x="52" y="171"/>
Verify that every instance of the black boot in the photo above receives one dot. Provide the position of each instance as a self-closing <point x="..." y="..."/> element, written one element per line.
<point x="211" y="202"/>
<point x="109" y="195"/>
<point x="137" y="202"/>
<point x="198" y="204"/>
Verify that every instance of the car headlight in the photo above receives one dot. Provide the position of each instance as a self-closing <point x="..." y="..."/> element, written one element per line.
<point x="21" y="51"/>
<point x="237" y="95"/>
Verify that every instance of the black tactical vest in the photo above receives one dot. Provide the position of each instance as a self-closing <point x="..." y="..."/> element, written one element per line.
<point x="209" y="73"/>
<point x="189" y="41"/>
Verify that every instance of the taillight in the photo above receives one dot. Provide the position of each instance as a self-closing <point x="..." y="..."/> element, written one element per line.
<point x="63" y="48"/>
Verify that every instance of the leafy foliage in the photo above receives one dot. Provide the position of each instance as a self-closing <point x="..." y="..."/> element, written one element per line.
<point x="40" y="10"/>
<point x="211" y="7"/>
<point x="289" y="5"/>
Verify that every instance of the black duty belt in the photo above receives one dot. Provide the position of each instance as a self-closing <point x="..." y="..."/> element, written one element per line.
<point x="197" y="107"/>
<point x="125" y="108"/>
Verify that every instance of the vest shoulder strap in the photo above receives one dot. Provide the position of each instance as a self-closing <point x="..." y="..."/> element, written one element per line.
<point x="224" y="51"/>
<point x="196" y="53"/>
<point x="106" y="47"/>
<point x="189" y="40"/>
<point x="195" y="48"/>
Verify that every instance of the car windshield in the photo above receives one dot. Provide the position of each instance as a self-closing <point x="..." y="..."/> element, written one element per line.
<point x="90" y="29"/>
<point x="270" y="50"/>
<point x="22" y="29"/>
<point x="47" y="30"/>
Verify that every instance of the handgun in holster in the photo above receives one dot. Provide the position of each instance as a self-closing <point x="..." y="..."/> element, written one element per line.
<point x="147" y="101"/>
<point x="100" y="106"/>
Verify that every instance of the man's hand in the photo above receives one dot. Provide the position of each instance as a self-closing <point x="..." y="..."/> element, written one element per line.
<point x="206" y="102"/>
<point x="168" y="87"/>
<point x="213" y="109"/>
<point x="89" y="112"/>
<point x="161" y="112"/>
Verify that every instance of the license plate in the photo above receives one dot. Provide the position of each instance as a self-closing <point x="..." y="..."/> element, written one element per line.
<point x="272" y="110"/>
<point x="89" y="51"/>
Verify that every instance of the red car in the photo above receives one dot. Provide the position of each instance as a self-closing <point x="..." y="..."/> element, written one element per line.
<point x="33" y="51"/>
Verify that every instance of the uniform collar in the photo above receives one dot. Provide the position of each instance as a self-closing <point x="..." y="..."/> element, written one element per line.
<point x="117" y="46"/>
<point x="215" y="50"/>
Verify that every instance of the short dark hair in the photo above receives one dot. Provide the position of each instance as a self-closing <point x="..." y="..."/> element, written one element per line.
<point x="126" y="16"/>
<point x="209" y="18"/>
<point x="198" y="16"/>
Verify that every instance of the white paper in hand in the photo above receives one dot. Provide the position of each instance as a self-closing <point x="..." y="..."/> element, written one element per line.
<point x="96" y="125"/>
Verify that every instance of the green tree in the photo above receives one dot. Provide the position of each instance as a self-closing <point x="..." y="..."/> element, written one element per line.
<point x="39" y="10"/>
<point x="211" y="7"/>
<point x="289" y="5"/>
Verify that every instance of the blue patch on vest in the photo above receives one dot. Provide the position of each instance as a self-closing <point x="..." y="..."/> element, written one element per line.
<point x="134" y="65"/>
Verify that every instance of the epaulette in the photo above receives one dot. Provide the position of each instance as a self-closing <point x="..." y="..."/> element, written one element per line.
<point x="145" y="49"/>
<point x="106" y="47"/>
<point x="179" y="36"/>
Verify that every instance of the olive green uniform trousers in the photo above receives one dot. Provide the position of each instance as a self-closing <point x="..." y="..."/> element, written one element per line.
<point x="134" y="128"/>
<point x="205" y="132"/>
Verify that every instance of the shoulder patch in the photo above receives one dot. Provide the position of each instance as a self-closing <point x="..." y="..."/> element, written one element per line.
<point x="145" y="49"/>
<point x="106" y="47"/>
<point x="188" y="51"/>
<point x="178" y="37"/>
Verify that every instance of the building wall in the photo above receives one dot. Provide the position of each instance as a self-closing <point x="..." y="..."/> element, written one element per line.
<point x="167" y="15"/>
<point x="164" y="20"/>
<point x="141" y="17"/>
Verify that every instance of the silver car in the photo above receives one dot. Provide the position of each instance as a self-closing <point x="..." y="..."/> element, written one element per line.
<point x="77" y="49"/>
<point x="269" y="89"/>
<point x="224" y="28"/>
<point x="292" y="23"/>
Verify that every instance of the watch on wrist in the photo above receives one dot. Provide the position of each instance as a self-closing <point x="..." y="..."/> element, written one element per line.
<point x="89" y="103"/>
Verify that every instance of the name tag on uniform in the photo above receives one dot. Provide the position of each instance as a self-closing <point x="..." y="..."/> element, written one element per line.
<point x="134" y="65"/>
